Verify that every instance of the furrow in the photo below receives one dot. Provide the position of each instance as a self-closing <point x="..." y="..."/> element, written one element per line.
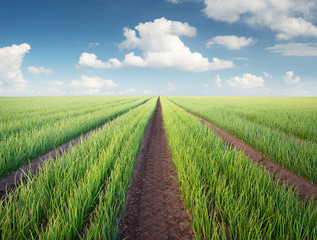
<point x="306" y="190"/>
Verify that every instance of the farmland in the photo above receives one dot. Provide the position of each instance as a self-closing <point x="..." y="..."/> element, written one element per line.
<point x="31" y="128"/>
<point x="155" y="171"/>
<point x="285" y="130"/>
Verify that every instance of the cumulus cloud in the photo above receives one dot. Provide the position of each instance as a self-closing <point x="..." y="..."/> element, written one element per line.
<point x="90" y="60"/>
<point x="11" y="59"/>
<point x="93" y="44"/>
<point x="231" y="42"/>
<point x="205" y="85"/>
<point x="295" y="49"/>
<point x="289" y="18"/>
<point x="267" y="75"/>
<point x="218" y="81"/>
<point x="162" y="48"/>
<point x="288" y="78"/>
<point x="39" y="70"/>
<point x="246" y="81"/>
<point x="92" y="85"/>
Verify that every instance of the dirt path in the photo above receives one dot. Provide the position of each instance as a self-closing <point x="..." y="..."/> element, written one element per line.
<point x="154" y="209"/>
<point x="305" y="188"/>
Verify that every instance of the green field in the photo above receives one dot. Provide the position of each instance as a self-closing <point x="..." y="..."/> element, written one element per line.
<point x="283" y="129"/>
<point x="33" y="126"/>
<point x="224" y="189"/>
<point x="82" y="193"/>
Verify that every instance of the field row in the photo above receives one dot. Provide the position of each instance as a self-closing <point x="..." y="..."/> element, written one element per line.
<point x="82" y="194"/>
<point x="227" y="194"/>
<point x="271" y="127"/>
<point x="42" y="130"/>
<point x="87" y="184"/>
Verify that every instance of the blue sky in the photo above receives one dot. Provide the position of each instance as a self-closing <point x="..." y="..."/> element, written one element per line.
<point x="161" y="47"/>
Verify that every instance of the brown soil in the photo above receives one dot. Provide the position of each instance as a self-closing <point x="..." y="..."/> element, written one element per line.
<point x="305" y="189"/>
<point x="154" y="209"/>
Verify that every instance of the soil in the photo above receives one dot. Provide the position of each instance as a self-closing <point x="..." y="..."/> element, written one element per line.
<point x="154" y="209"/>
<point x="305" y="189"/>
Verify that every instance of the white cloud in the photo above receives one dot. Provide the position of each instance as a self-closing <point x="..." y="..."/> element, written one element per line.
<point x="39" y="70"/>
<point x="289" y="18"/>
<point x="162" y="48"/>
<point x="170" y="87"/>
<point x="267" y="75"/>
<point x="92" y="85"/>
<point x="295" y="49"/>
<point x="246" y="81"/>
<point x="218" y="81"/>
<point x="93" y="44"/>
<point x="173" y="1"/>
<point x="206" y="85"/>
<point x="231" y="42"/>
<point x="11" y="59"/>
<point x="90" y="60"/>
<point x="288" y="78"/>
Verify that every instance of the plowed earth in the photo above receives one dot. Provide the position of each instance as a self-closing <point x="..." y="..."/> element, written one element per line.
<point x="154" y="209"/>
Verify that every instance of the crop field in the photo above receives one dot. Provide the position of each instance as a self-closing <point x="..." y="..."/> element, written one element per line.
<point x="148" y="169"/>
<point x="283" y="129"/>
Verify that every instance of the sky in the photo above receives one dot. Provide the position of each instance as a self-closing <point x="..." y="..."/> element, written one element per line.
<point x="158" y="47"/>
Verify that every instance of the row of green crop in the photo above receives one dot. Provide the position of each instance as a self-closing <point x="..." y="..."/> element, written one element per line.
<point x="25" y="146"/>
<point x="228" y="195"/>
<point x="85" y="186"/>
<point x="42" y="118"/>
<point x="298" y="156"/>
<point x="295" y="117"/>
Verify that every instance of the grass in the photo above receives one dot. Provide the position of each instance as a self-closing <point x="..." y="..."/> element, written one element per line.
<point x="43" y="129"/>
<point x="228" y="195"/>
<point x="81" y="185"/>
<point x="283" y="129"/>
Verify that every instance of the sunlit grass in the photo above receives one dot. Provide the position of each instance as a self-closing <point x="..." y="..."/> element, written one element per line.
<point x="225" y="192"/>
<point x="283" y="129"/>
<point x="24" y="137"/>
<point x="57" y="202"/>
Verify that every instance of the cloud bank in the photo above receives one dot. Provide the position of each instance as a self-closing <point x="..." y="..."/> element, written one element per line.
<point x="161" y="48"/>
<point x="289" y="18"/>
<point x="246" y="81"/>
